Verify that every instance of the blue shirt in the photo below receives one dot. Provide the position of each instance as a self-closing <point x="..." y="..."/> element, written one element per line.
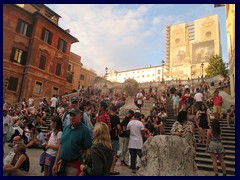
<point x="73" y="141"/>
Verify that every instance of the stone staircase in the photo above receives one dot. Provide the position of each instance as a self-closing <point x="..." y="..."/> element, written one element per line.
<point x="46" y="129"/>
<point x="203" y="158"/>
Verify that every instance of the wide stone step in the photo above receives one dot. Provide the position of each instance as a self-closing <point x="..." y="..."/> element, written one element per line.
<point x="227" y="157"/>
<point x="208" y="167"/>
<point x="229" y="152"/>
<point x="209" y="161"/>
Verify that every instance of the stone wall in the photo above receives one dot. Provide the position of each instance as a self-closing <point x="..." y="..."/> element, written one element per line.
<point x="166" y="155"/>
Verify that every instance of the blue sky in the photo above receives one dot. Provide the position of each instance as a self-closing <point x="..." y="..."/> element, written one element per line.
<point x="128" y="36"/>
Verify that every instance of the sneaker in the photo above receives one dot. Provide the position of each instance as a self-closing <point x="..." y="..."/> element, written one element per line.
<point x="114" y="173"/>
<point x="123" y="164"/>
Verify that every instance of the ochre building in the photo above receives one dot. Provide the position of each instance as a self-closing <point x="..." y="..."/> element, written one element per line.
<point x="37" y="60"/>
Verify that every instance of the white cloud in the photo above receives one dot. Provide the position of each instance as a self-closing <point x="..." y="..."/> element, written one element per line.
<point x="120" y="37"/>
<point x="157" y="20"/>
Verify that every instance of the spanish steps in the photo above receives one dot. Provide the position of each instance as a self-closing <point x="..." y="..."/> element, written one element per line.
<point x="203" y="158"/>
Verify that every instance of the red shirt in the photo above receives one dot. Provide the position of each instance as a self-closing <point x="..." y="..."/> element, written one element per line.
<point x="217" y="101"/>
<point x="104" y="118"/>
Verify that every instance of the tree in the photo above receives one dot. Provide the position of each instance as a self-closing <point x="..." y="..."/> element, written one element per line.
<point x="216" y="67"/>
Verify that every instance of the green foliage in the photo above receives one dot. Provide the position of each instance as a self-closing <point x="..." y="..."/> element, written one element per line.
<point x="216" y="67"/>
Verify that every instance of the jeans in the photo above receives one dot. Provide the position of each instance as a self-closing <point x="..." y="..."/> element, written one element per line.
<point x="134" y="153"/>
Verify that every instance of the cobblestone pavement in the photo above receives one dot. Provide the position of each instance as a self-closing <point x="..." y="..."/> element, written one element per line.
<point x="35" y="169"/>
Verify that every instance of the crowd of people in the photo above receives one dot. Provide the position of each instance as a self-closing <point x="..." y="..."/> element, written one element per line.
<point x="86" y="136"/>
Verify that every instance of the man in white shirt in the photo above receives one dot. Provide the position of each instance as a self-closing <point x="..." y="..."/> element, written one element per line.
<point x="198" y="97"/>
<point x="53" y="104"/>
<point x="139" y="98"/>
<point x="30" y="101"/>
<point x="136" y="130"/>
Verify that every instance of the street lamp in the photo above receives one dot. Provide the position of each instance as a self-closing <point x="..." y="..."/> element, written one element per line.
<point x="162" y="70"/>
<point x="106" y="69"/>
<point x="202" y="65"/>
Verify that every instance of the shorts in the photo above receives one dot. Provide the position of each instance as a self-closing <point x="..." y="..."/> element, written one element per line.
<point x="217" y="109"/>
<point x="115" y="145"/>
<point x="198" y="104"/>
<point x="175" y="106"/>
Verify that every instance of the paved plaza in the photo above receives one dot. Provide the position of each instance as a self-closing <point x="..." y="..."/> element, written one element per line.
<point x="35" y="169"/>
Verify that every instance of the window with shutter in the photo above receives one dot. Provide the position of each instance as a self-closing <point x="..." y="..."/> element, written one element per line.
<point x="62" y="45"/>
<point x="23" y="28"/>
<point x="47" y="36"/>
<point x="55" y="91"/>
<point x="19" y="56"/>
<point x="42" y="62"/>
<point x="38" y="88"/>
<point x="58" y="69"/>
<point x="12" y="84"/>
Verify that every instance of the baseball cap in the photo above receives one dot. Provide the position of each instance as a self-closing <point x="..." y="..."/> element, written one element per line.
<point x="74" y="99"/>
<point x="137" y="115"/>
<point x="74" y="111"/>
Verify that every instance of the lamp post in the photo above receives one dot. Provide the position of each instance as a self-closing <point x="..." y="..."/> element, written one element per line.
<point x="202" y="65"/>
<point x="162" y="70"/>
<point x="106" y="69"/>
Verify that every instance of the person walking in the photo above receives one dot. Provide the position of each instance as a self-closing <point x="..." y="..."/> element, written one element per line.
<point x="124" y="137"/>
<point x="101" y="153"/>
<point x="217" y="104"/>
<point x="53" y="106"/>
<point x="215" y="147"/>
<point x="136" y="130"/>
<point x="115" y="129"/>
<point x="74" y="145"/>
<point x="202" y="120"/>
<point x="139" y="98"/>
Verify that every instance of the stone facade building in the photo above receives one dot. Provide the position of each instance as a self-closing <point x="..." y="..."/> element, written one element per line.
<point x="189" y="46"/>
<point x="141" y="75"/>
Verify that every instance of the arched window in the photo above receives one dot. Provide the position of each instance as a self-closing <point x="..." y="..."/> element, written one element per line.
<point x="208" y="34"/>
